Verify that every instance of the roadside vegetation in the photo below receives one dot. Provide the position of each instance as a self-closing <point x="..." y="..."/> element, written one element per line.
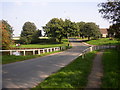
<point x="111" y="67"/>
<point x="12" y="58"/>
<point x="104" y="41"/>
<point x="73" y="75"/>
<point x="65" y="42"/>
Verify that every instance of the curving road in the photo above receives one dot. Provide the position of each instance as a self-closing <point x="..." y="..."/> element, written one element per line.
<point x="28" y="73"/>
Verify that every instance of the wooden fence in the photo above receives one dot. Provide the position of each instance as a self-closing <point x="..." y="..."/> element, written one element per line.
<point x="92" y="48"/>
<point x="39" y="51"/>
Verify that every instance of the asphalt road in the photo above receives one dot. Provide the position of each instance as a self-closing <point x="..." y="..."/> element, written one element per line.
<point x="28" y="73"/>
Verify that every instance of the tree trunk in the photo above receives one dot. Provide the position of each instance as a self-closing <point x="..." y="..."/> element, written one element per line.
<point x="88" y="37"/>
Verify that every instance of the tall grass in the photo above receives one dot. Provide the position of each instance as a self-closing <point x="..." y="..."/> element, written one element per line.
<point x="111" y="66"/>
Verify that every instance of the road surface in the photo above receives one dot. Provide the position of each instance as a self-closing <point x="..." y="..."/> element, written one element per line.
<point x="28" y="73"/>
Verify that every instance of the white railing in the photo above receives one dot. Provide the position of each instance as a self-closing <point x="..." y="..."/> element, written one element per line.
<point x="39" y="51"/>
<point x="92" y="48"/>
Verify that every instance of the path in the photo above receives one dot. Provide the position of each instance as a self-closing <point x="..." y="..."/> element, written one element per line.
<point x="28" y="73"/>
<point x="94" y="79"/>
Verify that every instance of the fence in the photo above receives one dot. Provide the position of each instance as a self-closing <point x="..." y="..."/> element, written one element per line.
<point x="92" y="48"/>
<point x="39" y="51"/>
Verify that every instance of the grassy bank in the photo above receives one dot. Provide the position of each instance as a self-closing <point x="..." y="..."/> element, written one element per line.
<point x="103" y="41"/>
<point x="111" y="63"/>
<point x="12" y="58"/>
<point x="43" y="45"/>
<point x="73" y="75"/>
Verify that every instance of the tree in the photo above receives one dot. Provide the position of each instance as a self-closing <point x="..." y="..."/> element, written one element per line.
<point x="54" y="29"/>
<point x="36" y="35"/>
<point x="80" y="26"/>
<point x="6" y="32"/>
<point x="91" y="30"/>
<point x="111" y="11"/>
<point x="29" y="29"/>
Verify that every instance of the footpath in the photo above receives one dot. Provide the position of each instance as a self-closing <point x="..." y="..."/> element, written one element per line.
<point x="94" y="79"/>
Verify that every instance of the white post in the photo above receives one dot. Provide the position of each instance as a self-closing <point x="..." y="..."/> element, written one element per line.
<point x="50" y="49"/>
<point x="24" y="52"/>
<point x="10" y="52"/>
<point x="43" y="51"/>
<point x="90" y="49"/>
<point x="47" y="50"/>
<point x="38" y="52"/>
<point x="54" y="49"/>
<point x="33" y="52"/>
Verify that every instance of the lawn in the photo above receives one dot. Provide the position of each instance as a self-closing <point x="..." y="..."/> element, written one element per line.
<point x="43" y="45"/>
<point x="73" y="75"/>
<point x="111" y="66"/>
<point x="103" y="41"/>
<point x="12" y="58"/>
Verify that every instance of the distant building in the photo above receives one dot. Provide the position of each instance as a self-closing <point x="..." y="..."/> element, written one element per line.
<point x="104" y="32"/>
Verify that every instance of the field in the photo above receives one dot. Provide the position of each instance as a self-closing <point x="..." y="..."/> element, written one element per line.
<point x="111" y="66"/>
<point x="103" y="41"/>
<point x="43" y="45"/>
<point x="73" y="75"/>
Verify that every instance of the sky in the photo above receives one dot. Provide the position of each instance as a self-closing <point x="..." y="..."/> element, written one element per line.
<point x="17" y="12"/>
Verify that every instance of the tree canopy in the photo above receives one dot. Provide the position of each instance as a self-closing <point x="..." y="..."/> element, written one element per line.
<point x="54" y="29"/>
<point x="90" y="30"/>
<point x="111" y="11"/>
<point x="29" y="29"/>
<point x="7" y="33"/>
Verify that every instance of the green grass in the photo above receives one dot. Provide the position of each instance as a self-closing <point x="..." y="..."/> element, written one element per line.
<point x="111" y="66"/>
<point x="103" y="41"/>
<point x="12" y="58"/>
<point x="43" y="45"/>
<point x="73" y="75"/>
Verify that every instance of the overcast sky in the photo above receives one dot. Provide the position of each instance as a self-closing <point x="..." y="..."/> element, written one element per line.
<point x="40" y="12"/>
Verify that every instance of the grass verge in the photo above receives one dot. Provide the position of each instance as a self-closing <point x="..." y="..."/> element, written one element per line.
<point x="12" y="58"/>
<point x="103" y="41"/>
<point x="73" y="75"/>
<point x="43" y="45"/>
<point x="111" y="66"/>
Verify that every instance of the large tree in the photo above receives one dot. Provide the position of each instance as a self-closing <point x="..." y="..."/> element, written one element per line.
<point x="91" y="30"/>
<point x="6" y="32"/>
<point x="80" y="26"/>
<point x="29" y="30"/>
<point x="54" y="29"/>
<point x="111" y="11"/>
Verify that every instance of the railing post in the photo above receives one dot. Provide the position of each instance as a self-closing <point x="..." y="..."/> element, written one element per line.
<point x="47" y="50"/>
<point x="33" y="52"/>
<point x="10" y="52"/>
<point x="43" y="50"/>
<point x="24" y="52"/>
<point x="54" y="49"/>
<point x="50" y="49"/>
<point x="38" y="52"/>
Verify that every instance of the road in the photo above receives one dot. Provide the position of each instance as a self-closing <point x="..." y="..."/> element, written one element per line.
<point x="28" y="73"/>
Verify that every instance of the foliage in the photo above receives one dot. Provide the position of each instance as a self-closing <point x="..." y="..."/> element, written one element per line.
<point x="111" y="12"/>
<point x="54" y="29"/>
<point x="36" y="35"/>
<point x="73" y="75"/>
<point x="104" y="41"/>
<point x="6" y="31"/>
<point x="80" y="30"/>
<point x="71" y="28"/>
<point x="90" y="30"/>
<point x="111" y="66"/>
<point x="29" y="29"/>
